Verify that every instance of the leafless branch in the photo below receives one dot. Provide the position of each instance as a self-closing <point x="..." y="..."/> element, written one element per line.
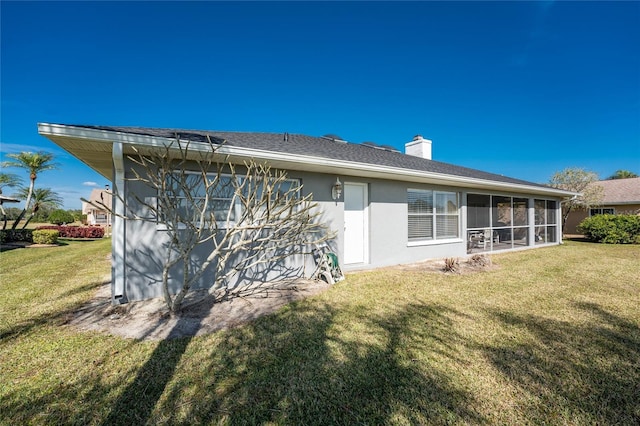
<point x="250" y="216"/>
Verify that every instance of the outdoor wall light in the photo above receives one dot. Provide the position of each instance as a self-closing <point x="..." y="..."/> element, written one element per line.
<point x="336" y="190"/>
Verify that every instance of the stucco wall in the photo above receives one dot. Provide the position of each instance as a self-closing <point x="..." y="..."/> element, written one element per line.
<point x="145" y="244"/>
<point x="387" y="240"/>
<point x="573" y="220"/>
<point x="389" y="231"/>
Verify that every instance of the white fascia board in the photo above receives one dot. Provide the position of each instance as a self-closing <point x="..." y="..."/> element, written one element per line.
<point x="318" y="164"/>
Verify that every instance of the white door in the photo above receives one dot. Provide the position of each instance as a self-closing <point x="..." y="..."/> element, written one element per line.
<point x="355" y="223"/>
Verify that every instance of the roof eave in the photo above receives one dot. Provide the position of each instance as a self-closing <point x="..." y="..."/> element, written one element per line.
<point x="299" y="162"/>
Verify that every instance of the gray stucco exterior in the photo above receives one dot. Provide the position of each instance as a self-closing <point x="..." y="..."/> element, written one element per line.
<point x="387" y="233"/>
<point x="384" y="176"/>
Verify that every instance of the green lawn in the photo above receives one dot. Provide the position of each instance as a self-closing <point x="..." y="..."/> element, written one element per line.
<point x="551" y="336"/>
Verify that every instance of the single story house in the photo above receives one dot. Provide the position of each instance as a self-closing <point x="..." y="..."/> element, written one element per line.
<point x="97" y="216"/>
<point x="620" y="196"/>
<point x="392" y="207"/>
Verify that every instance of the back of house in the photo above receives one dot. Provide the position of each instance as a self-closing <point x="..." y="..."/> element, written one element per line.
<point x="385" y="207"/>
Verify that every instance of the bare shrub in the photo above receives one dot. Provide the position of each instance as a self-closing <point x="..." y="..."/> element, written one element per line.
<point x="263" y="217"/>
<point x="479" y="261"/>
<point x="451" y="264"/>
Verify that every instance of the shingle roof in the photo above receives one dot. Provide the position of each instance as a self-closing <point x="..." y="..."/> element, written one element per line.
<point x="321" y="147"/>
<point x="621" y="191"/>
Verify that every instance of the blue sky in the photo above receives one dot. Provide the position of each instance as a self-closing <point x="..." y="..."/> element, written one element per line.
<point x="522" y="89"/>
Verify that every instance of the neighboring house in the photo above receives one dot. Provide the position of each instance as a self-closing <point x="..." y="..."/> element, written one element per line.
<point x="620" y="196"/>
<point x="96" y="215"/>
<point x="393" y="208"/>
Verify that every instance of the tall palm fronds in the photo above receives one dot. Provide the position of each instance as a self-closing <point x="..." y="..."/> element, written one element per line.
<point x="9" y="180"/>
<point x="34" y="163"/>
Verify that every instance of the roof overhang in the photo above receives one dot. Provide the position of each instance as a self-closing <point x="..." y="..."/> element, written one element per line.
<point x="94" y="147"/>
<point x="4" y="199"/>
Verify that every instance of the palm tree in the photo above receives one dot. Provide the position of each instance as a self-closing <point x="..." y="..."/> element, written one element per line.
<point x="40" y="197"/>
<point x="622" y="174"/>
<point x="8" y="180"/>
<point x="34" y="163"/>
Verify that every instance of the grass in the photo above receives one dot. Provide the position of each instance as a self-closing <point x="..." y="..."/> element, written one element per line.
<point x="551" y="336"/>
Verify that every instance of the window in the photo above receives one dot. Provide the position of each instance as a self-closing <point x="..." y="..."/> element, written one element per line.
<point x="285" y="191"/>
<point x="190" y="190"/>
<point x="593" y="212"/>
<point x="101" y="217"/>
<point x="432" y="215"/>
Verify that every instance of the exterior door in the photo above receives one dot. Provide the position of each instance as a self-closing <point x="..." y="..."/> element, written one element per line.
<point x="356" y="230"/>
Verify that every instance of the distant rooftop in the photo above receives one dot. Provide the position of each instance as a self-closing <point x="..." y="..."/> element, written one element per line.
<point x="621" y="191"/>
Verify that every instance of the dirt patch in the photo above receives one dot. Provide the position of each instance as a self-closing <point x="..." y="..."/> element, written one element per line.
<point x="471" y="265"/>
<point x="203" y="313"/>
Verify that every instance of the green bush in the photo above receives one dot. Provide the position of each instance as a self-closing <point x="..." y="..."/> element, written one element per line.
<point x="10" y="235"/>
<point x="45" y="236"/>
<point x="59" y="217"/>
<point x="612" y="229"/>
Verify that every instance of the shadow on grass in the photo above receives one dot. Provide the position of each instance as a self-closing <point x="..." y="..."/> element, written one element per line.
<point x="301" y="365"/>
<point x="26" y="245"/>
<point x="55" y="317"/>
<point x="296" y="368"/>
<point x="575" y="373"/>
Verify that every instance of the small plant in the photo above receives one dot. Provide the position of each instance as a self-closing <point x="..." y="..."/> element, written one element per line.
<point x="451" y="264"/>
<point x="479" y="261"/>
<point x="45" y="236"/>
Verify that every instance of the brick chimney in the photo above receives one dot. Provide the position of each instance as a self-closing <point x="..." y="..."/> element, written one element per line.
<point x="418" y="147"/>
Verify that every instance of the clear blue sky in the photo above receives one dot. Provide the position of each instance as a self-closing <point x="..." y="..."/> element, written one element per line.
<point x="517" y="88"/>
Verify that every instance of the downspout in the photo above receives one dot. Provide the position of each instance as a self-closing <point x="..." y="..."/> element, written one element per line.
<point x="118" y="230"/>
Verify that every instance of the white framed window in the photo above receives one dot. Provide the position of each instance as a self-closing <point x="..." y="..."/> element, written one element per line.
<point x="189" y="189"/>
<point x="287" y="190"/>
<point x="432" y="215"/>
